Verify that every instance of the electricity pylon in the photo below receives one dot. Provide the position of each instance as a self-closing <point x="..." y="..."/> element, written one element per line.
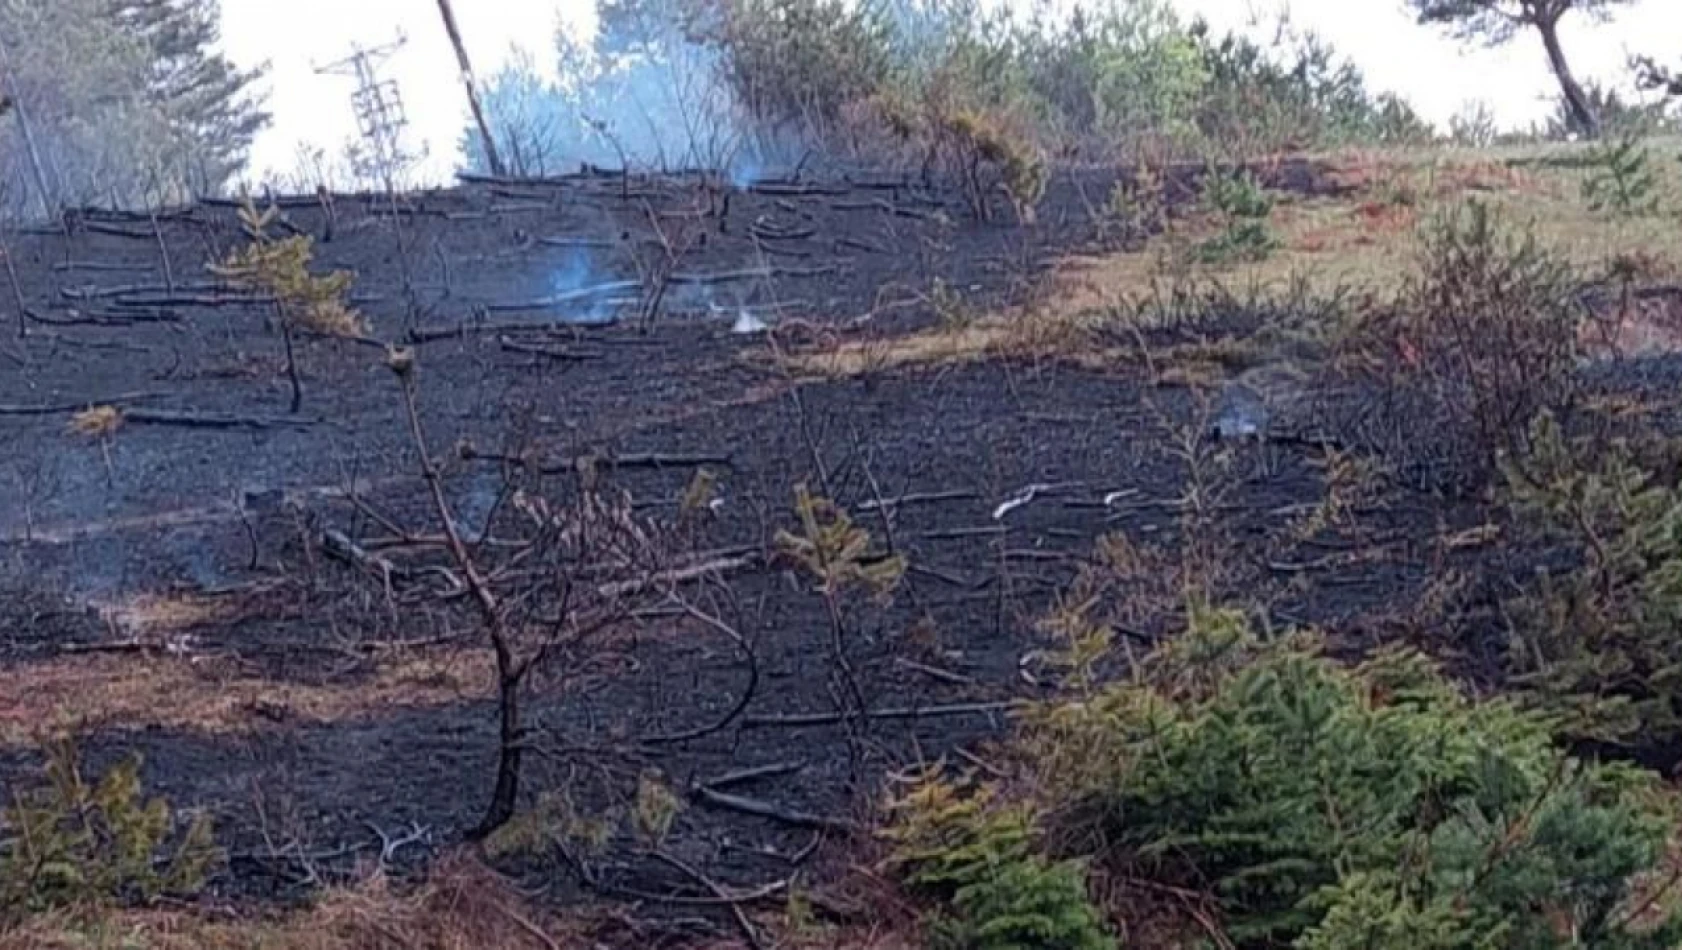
<point x="380" y="118"/>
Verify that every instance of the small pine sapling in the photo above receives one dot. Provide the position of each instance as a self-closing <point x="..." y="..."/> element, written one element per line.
<point x="978" y="858"/>
<point x="73" y="841"/>
<point x="1621" y="180"/>
<point x="280" y="269"/>
<point x="1242" y="206"/>
<point x="837" y="555"/>
<point x="1595" y="644"/>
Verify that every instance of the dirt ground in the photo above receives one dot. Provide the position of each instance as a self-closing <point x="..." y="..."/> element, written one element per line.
<point x="167" y="584"/>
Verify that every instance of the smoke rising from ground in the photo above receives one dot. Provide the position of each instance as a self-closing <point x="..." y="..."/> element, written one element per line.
<point x="659" y="104"/>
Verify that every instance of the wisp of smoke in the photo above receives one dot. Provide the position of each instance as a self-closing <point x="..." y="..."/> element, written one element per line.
<point x="658" y="103"/>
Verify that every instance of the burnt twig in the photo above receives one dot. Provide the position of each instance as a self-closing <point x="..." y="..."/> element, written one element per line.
<point x="211" y="420"/>
<point x="798" y="720"/>
<point x="547" y="352"/>
<point x="764" y="809"/>
<point x="755" y="773"/>
<point x="748" y="691"/>
<point x="734" y="901"/>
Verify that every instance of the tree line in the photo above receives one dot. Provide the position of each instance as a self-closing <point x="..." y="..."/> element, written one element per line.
<point x="122" y="102"/>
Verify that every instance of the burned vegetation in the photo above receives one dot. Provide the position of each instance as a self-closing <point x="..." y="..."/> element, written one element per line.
<point x="978" y="547"/>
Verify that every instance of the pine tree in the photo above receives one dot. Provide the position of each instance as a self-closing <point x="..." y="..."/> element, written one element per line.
<point x="129" y="100"/>
<point x="204" y="95"/>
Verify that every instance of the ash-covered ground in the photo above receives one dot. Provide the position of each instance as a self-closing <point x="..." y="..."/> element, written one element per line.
<point x="170" y="581"/>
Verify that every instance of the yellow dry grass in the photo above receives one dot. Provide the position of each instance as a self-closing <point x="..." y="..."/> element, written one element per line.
<point x="1363" y="241"/>
<point x="463" y="905"/>
<point x="134" y="691"/>
<point x="97" y="421"/>
<point x="157" y="615"/>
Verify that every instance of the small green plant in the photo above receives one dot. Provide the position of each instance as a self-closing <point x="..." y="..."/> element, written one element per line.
<point x="1595" y="643"/>
<point x="552" y="818"/>
<point x="1302" y="798"/>
<point x="656" y="807"/>
<point x="1621" y="180"/>
<point x="837" y="555"/>
<point x="1137" y="203"/>
<point x="978" y="858"/>
<point x="281" y="270"/>
<point x="988" y="156"/>
<point x="72" y="841"/>
<point x="835" y="551"/>
<point x="1243" y="208"/>
<point x="950" y="308"/>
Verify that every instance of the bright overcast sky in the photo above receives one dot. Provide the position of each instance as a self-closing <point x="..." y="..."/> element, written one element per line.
<point x="297" y="36"/>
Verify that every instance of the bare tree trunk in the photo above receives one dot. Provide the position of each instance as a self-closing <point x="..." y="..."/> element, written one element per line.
<point x="1582" y="111"/>
<point x="292" y="365"/>
<point x="472" y="88"/>
<point x="510" y="747"/>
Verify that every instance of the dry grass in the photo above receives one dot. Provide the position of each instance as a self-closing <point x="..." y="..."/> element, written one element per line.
<point x="129" y="691"/>
<point x="156" y="616"/>
<point x="1363" y="241"/>
<point x="97" y="421"/>
<point x="462" y="906"/>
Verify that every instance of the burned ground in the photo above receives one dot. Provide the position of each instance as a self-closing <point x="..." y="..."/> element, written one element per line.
<point x="168" y="582"/>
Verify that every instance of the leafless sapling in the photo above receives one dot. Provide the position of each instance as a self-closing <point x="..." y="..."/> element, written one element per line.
<point x="561" y="577"/>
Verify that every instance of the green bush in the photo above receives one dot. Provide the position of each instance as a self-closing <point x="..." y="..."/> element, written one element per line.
<point x="1321" y="806"/>
<point x="981" y="862"/>
<point x="1485" y="337"/>
<point x="70" y="841"/>
<point x="1296" y="93"/>
<point x="1243" y="207"/>
<point x="793" y="74"/>
<point x="1621" y="179"/>
<point x="1595" y="643"/>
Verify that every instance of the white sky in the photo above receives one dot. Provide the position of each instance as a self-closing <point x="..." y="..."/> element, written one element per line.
<point x="295" y="36"/>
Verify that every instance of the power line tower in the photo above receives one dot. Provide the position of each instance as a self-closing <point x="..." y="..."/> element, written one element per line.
<point x="380" y="118"/>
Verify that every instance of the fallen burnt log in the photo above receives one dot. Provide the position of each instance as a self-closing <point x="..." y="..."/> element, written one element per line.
<point x="117" y="230"/>
<point x="878" y="204"/>
<point x="285" y="202"/>
<point x="548" y="352"/>
<point x="753" y="273"/>
<point x="92" y="292"/>
<point x="771" y="231"/>
<point x="104" y="266"/>
<point x="458" y="331"/>
<point x="788" y="189"/>
<point x="608" y="460"/>
<point x="120" y="215"/>
<point x="594" y="291"/>
<point x="211" y="420"/>
<point x="123" y="318"/>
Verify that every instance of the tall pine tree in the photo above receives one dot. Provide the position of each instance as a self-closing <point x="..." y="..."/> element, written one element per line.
<point x="131" y="102"/>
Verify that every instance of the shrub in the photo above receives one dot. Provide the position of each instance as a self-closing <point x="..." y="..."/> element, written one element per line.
<point x="1596" y="643"/>
<point x="1320" y="806"/>
<point x="1243" y="207"/>
<point x="70" y="841"/>
<point x="1507" y="317"/>
<point x="980" y="861"/>
<point x="986" y="157"/>
<point x="798" y="62"/>
<point x="280" y="269"/>
<point x="1621" y="179"/>
<point x="1296" y="93"/>
<point x="1484" y="338"/>
<point x="795" y="75"/>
